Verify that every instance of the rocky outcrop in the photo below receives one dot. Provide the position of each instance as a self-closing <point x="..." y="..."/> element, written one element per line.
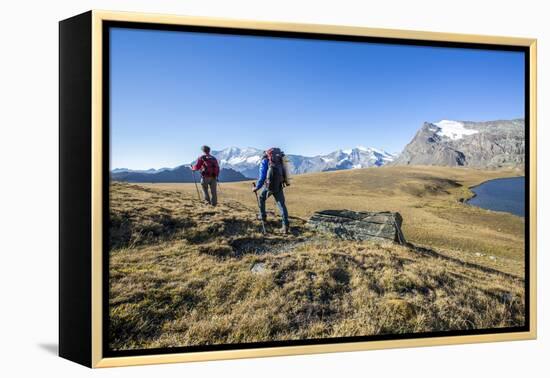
<point x="363" y="225"/>
<point x="474" y="144"/>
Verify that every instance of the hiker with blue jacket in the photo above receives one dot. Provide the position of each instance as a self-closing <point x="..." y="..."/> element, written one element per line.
<point x="273" y="178"/>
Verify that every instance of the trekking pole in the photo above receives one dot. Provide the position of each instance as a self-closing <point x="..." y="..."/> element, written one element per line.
<point x="196" y="186"/>
<point x="259" y="208"/>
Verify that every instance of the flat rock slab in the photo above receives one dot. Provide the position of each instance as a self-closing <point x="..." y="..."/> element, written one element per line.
<point x="359" y="225"/>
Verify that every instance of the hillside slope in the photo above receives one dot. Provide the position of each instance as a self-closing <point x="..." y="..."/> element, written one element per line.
<point x="183" y="273"/>
<point x="428" y="198"/>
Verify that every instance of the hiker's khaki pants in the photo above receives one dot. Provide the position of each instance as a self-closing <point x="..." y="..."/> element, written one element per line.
<point x="210" y="182"/>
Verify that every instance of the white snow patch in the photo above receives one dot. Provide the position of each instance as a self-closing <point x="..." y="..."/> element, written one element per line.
<point x="236" y="160"/>
<point x="253" y="159"/>
<point x="365" y="149"/>
<point x="453" y="130"/>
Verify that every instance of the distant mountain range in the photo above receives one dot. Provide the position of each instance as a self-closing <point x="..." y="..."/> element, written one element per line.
<point x="246" y="160"/>
<point x="239" y="164"/>
<point x="446" y="143"/>
<point x="462" y="143"/>
<point x="151" y="170"/>
<point x="178" y="174"/>
<point x="243" y="160"/>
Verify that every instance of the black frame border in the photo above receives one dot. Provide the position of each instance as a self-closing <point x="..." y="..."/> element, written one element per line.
<point x="75" y="195"/>
<point x="106" y="27"/>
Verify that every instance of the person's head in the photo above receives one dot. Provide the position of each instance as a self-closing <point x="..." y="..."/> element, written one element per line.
<point x="205" y="149"/>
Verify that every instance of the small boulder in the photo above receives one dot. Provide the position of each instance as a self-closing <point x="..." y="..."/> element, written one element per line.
<point x="258" y="268"/>
<point x="359" y="225"/>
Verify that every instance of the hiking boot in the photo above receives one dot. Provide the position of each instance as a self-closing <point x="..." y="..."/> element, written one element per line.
<point x="285" y="229"/>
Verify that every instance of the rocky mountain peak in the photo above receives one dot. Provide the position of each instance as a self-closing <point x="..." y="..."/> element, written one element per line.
<point x="464" y="143"/>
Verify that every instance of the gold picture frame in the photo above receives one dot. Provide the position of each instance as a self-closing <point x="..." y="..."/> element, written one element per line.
<point x="90" y="331"/>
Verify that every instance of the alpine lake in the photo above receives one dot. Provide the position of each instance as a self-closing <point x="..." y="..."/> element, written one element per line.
<point x="504" y="194"/>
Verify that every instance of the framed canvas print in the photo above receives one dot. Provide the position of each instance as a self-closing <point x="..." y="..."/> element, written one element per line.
<point x="235" y="189"/>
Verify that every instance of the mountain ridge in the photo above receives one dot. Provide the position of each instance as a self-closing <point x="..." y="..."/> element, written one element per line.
<point x="181" y="173"/>
<point x="246" y="161"/>
<point x="489" y="144"/>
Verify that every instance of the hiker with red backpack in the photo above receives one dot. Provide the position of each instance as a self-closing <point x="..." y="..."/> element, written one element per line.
<point x="209" y="168"/>
<point x="273" y="178"/>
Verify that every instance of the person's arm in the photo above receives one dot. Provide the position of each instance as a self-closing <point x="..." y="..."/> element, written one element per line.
<point x="198" y="165"/>
<point x="263" y="174"/>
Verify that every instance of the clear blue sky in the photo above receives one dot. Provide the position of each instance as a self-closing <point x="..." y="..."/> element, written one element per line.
<point x="174" y="91"/>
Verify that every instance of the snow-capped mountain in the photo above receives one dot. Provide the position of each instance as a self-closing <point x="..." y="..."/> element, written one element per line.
<point x="358" y="157"/>
<point x="462" y="143"/>
<point x="241" y="163"/>
<point x="246" y="160"/>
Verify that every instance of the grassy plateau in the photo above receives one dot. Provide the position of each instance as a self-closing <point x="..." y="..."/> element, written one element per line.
<point x="183" y="273"/>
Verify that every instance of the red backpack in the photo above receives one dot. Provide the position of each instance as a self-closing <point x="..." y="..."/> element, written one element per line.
<point x="210" y="167"/>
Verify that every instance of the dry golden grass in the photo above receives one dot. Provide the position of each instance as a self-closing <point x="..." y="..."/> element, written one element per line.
<point x="183" y="273"/>
<point x="427" y="198"/>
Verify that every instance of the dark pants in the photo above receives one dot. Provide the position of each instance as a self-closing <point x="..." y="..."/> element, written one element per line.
<point x="279" y="200"/>
<point x="210" y="182"/>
